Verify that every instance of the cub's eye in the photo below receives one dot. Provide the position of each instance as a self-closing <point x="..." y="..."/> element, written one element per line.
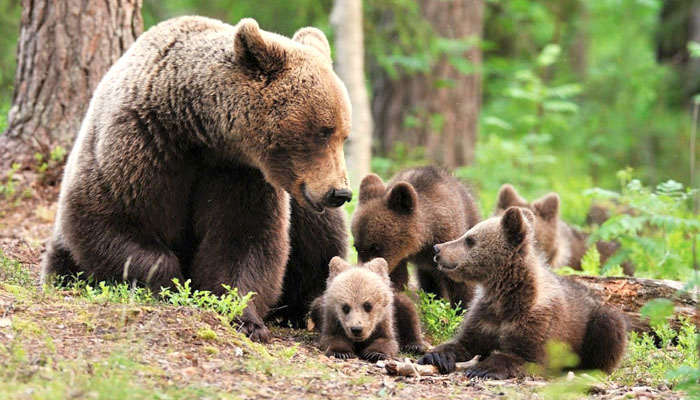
<point x="375" y="249"/>
<point x="326" y="132"/>
<point x="367" y="306"/>
<point x="470" y="241"/>
<point x="346" y="308"/>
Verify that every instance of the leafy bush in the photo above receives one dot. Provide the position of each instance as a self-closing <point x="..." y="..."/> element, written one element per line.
<point x="656" y="232"/>
<point x="440" y="320"/>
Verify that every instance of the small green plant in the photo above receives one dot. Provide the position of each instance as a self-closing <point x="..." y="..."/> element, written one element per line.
<point x="8" y="187"/>
<point x="440" y="320"/>
<point x="230" y="304"/>
<point x="13" y="272"/>
<point x="657" y="231"/>
<point x="104" y="292"/>
<point x="590" y="265"/>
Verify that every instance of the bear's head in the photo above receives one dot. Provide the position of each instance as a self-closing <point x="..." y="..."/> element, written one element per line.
<point x="296" y="112"/>
<point x="546" y="210"/>
<point x="386" y="222"/>
<point x="359" y="296"/>
<point x="487" y="246"/>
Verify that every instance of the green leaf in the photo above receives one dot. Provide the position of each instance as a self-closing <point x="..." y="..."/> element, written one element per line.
<point x="590" y="263"/>
<point x="694" y="49"/>
<point x="549" y="55"/>
<point x="657" y="310"/>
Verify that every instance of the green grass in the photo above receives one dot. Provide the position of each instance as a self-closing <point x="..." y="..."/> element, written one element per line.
<point x="440" y="320"/>
<point x="12" y="272"/>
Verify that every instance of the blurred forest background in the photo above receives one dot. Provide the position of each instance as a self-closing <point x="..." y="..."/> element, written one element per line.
<point x="561" y="96"/>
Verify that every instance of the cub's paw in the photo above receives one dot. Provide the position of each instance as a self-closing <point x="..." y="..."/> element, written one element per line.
<point x="373" y="356"/>
<point x="256" y="332"/>
<point x="445" y="362"/>
<point x="485" y="373"/>
<point x="415" y="348"/>
<point x="340" y="354"/>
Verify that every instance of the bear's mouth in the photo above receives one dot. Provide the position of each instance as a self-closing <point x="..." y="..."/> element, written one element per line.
<point x="316" y="206"/>
<point x="446" y="267"/>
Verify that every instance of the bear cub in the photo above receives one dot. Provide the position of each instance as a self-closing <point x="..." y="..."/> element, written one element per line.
<point x="521" y="305"/>
<point x="355" y="313"/>
<point x="562" y="244"/>
<point x="401" y="221"/>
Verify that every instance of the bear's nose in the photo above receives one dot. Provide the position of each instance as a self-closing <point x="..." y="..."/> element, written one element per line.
<point x="436" y="249"/>
<point x="356" y="330"/>
<point x="336" y="197"/>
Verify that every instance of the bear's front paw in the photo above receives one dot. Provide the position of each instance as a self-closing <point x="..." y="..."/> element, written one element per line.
<point x="415" y="348"/>
<point x="373" y="356"/>
<point x="342" y="355"/>
<point x="256" y="332"/>
<point x="445" y="362"/>
<point x="485" y="373"/>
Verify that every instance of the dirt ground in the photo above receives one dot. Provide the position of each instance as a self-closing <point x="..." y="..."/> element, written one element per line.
<point x="188" y="353"/>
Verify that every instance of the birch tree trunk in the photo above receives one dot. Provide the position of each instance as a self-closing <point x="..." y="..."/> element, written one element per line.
<point x="64" y="48"/>
<point x="346" y="19"/>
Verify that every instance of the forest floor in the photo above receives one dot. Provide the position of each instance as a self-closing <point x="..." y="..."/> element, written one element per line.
<point x="57" y="344"/>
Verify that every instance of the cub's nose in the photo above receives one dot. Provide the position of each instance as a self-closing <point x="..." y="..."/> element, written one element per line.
<point x="336" y="197"/>
<point x="357" y="331"/>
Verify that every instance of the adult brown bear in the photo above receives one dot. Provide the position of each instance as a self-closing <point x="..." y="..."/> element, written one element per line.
<point x="184" y="161"/>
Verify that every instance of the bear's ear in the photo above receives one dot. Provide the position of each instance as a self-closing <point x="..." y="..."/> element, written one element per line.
<point x="371" y="187"/>
<point x="253" y="53"/>
<point x="315" y="38"/>
<point x="547" y="207"/>
<point x="402" y="198"/>
<point x="516" y="224"/>
<point x="378" y="266"/>
<point x="507" y="197"/>
<point x="336" y="266"/>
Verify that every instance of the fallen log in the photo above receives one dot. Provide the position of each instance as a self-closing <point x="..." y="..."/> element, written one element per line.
<point x="629" y="295"/>
<point x="409" y="368"/>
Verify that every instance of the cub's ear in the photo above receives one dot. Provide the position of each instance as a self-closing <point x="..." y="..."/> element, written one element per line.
<point x="507" y="197"/>
<point x="378" y="266"/>
<point x="547" y="207"/>
<point x="315" y="38"/>
<point x="402" y="198"/>
<point x="336" y="266"/>
<point x="253" y="53"/>
<point x="371" y="187"/>
<point x="516" y="225"/>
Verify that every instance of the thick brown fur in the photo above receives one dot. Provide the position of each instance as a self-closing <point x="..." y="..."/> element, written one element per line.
<point x="358" y="298"/>
<point x="314" y="240"/>
<point x="521" y="305"/>
<point x="562" y="244"/>
<point x="402" y="220"/>
<point x="187" y="153"/>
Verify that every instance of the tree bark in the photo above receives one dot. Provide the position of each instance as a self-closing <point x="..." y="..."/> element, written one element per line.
<point x="346" y="19"/>
<point x="443" y="104"/>
<point x="64" y="48"/>
<point x="630" y="294"/>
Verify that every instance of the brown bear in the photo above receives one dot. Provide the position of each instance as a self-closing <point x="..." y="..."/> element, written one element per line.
<point x="521" y="304"/>
<point x="190" y="149"/>
<point x="356" y="312"/>
<point x="402" y="221"/>
<point x="562" y="244"/>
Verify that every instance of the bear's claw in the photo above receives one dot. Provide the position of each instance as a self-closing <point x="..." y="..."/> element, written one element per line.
<point x="415" y="348"/>
<point x="374" y="356"/>
<point x="256" y="332"/>
<point x="340" y="355"/>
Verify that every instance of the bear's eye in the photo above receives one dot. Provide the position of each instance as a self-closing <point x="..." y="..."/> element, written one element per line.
<point x="470" y="241"/>
<point x="326" y="132"/>
<point x="375" y="249"/>
<point x="346" y="308"/>
<point x="367" y="306"/>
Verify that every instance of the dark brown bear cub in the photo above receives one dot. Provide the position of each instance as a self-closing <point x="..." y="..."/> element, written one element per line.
<point x="356" y="311"/>
<point x="521" y="305"/>
<point x="401" y="222"/>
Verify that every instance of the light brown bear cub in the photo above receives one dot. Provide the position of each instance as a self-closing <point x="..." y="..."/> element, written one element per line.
<point x="356" y="311"/>
<point x="562" y="244"/>
<point x="401" y="221"/>
<point x="521" y="305"/>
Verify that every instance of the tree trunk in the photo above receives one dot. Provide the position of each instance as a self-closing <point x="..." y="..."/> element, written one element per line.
<point x="443" y="105"/>
<point x="64" y="48"/>
<point x="346" y="19"/>
<point x="630" y="294"/>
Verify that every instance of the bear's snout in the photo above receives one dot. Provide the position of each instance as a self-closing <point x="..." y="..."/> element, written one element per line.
<point x="337" y="197"/>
